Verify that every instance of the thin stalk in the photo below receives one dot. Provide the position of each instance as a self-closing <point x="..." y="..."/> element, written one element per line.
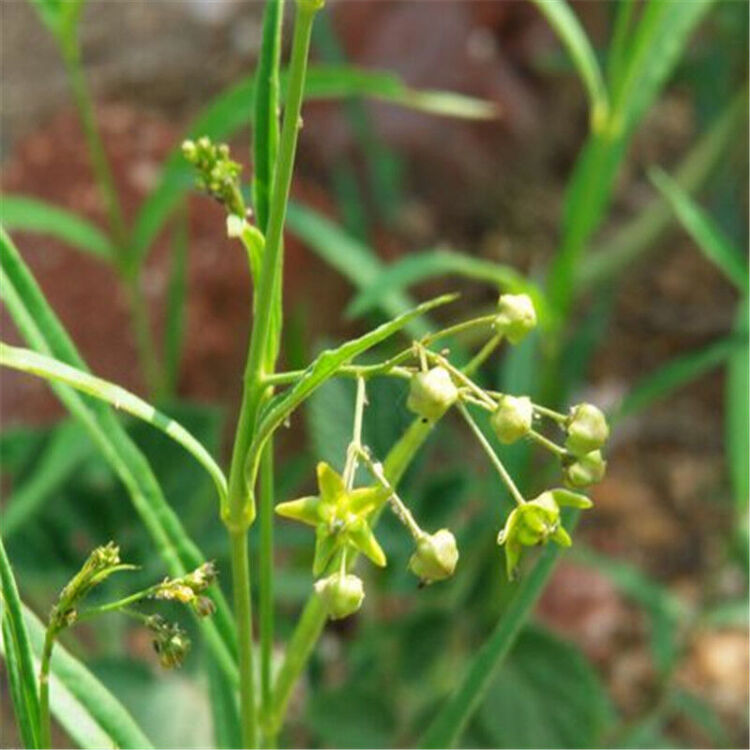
<point x="44" y="715"/>
<point x="481" y="356"/>
<point x="243" y="615"/>
<point x="265" y="588"/>
<point x="143" y="337"/>
<point x="495" y="460"/>
<point x="547" y="443"/>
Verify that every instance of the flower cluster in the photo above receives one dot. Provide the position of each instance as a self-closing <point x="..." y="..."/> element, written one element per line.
<point x="344" y="516"/>
<point x="218" y="175"/>
<point x="188" y="589"/>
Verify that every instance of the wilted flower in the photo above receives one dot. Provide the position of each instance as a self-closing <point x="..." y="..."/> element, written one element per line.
<point x="432" y="393"/>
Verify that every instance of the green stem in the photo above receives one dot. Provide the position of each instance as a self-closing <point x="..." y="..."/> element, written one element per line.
<point x="547" y="443"/>
<point x="496" y="462"/>
<point x="243" y="615"/>
<point x="143" y="337"/>
<point x="44" y="715"/>
<point x="265" y="599"/>
<point x="481" y="356"/>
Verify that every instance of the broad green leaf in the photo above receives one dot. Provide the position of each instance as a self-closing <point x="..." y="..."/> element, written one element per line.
<point x="42" y="330"/>
<point x="673" y="375"/>
<point x="706" y="234"/>
<point x="547" y="695"/>
<point x="27" y="214"/>
<point x="417" y="267"/>
<point x="352" y="259"/>
<point x="737" y="416"/>
<point x="67" y="447"/>
<point x="233" y="109"/>
<point x="52" y="369"/>
<point x="325" y="366"/>
<point x="456" y="712"/>
<point x="562" y="19"/>
<point x="18" y="656"/>
<point x="92" y="716"/>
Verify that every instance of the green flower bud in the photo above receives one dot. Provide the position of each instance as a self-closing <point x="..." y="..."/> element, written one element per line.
<point x="189" y="150"/>
<point x="587" y="429"/>
<point x="516" y="316"/>
<point x="341" y="594"/>
<point x="512" y="418"/>
<point x="432" y="393"/>
<point x="586" y="470"/>
<point x="436" y="556"/>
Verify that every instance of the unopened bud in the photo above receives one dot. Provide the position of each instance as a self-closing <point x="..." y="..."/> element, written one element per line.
<point x="586" y="470"/>
<point x="341" y="594"/>
<point x="435" y="557"/>
<point x="587" y="429"/>
<point x="512" y="418"/>
<point x="432" y="393"/>
<point x="516" y="316"/>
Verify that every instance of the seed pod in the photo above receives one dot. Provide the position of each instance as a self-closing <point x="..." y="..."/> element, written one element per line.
<point x="587" y="429"/>
<point x="516" y="316"/>
<point x="435" y="557"/>
<point x="586" y="470"/>
<point x="512" y="418"/>
<point x="341" y="594"/>
<point x="432" y="393"/>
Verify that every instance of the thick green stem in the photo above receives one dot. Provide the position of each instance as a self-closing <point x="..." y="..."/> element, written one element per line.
<point x="44" y="715"/>
<point x="243" y="615"/>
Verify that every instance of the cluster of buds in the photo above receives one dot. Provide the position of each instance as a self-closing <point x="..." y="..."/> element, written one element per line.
<point x="343" y="516"/>
<point x="190" y="588"/>
<point x="218" y="175"/>
<point x="170" y="641"/>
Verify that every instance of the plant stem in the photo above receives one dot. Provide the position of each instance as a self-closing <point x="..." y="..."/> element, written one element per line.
<point x="44" y="715"/>
<point x="265" y="598"/>
<point x="481" y="356"/>
<point x="496" y="462"/>
<point x="243" y="615"/>
<point x="547" y="443"/>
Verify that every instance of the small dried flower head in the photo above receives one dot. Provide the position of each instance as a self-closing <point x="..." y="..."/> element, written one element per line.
<point x="174" y="590"/>
<point x="341" y="594"/>
<point x="516" y="316"/>
<point x="432" y="393"/>
<point x="512" y="419"/>
<point x="587" y="429"/>
<point x="435" y="557"/>
<point x="585" y="470"/>
<point x="204" y="606"/>
<point x="170" y="642"/>
<point x="202" y="577"/>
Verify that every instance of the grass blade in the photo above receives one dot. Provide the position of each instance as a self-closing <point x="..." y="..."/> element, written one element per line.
<point x="224" y="709"/>
<point x="42" y="330"/>
<point x="66" y="449"/>
<point x="27" y="214"/>
<point x="673" y="375"/>
<point x="737" y="418"/>
<point x="52" y="369"/>
<point x="18" y="656"/>
<point x="707" y="235"/>
<point x="176" y="293"/>
<point x="417" y="267"/>
<point x="81" y="703"/>
<point x="565" y="23"/>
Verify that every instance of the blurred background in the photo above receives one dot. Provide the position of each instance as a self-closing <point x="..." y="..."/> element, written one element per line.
<point x="640" y="640"/>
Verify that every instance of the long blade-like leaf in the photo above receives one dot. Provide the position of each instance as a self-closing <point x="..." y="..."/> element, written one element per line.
<point x="417" y="267"/>
<point x="707" y="235"/>
<point x="562" y="19"/>
<point x="233" y="109"/>
<point x="33" y="215"/>
<point x="42" y="330"/>
<point x="737" y="418"/>
<point x="325" y="366"/>
<point x="18" y="656"/>
<point x="50" y="368"/>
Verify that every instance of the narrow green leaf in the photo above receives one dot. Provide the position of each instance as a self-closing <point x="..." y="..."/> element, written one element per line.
<point x="562" y="19"/>
<point x="350" y="257"/>
<point x="174" y="326"/>
<point x="325" y="366"/>
<point x="41" y="328"/>
<point x="80" y="702"/>
<point x="707" y="235"/>
<point x="18" y="656"/>
<point x="451" y="720"/>
<point x="673" y="375"/>
<point x="49" y="368"/>
<point x="417" y="267"/>
<point x="66" y="449"/>
<point x="233" y="109"/>
<point x="224" y="709"/>
<point x="737" y="416"/>
<point x="28" y="214"/>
